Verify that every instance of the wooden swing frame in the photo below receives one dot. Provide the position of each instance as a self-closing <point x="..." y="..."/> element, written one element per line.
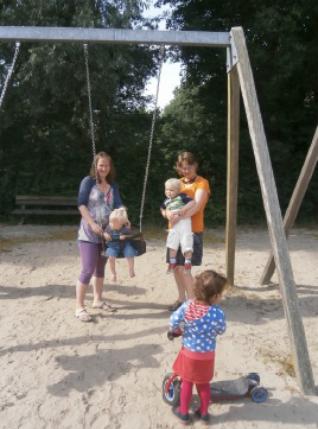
<point x="240" y="80"/>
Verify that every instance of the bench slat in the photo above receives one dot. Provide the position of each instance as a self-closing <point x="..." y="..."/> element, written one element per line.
<point x="45" y="200"/>
<point x="45" y="212"/>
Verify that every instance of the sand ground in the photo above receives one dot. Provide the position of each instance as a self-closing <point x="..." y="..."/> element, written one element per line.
<point x="59" y="373"/>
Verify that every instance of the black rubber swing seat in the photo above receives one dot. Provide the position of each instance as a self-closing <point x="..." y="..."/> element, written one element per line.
<point x="136" y="239"/>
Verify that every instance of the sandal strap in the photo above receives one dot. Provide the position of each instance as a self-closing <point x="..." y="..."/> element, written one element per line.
<point x="109" y="307"/>
<point x="82" y="314"/>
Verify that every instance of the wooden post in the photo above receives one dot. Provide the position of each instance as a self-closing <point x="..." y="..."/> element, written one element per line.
<point x="233" y="126"/>
<point x="295" y="201"/>
<point x="274" y="219"/>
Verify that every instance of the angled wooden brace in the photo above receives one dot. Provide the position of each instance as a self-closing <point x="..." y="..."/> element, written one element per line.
<point x="273" y="214"/>
<point x="296" y="199"/>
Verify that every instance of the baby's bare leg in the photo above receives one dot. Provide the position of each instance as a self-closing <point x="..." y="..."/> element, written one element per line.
<point x="131" y="266"/>
<point x="112" y="267"/>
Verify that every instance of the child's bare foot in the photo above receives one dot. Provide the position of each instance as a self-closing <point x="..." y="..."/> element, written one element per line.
<point x="113" y="278"/>
<point x="132" y="273"/>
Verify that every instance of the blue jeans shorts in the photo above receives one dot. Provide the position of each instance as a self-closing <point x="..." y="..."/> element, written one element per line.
<point x="117" y="249"/>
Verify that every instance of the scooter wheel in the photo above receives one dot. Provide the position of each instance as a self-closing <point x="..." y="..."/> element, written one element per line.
<point x="172" y="395"/>
<point x="254" y="376"/>
<point x="259" y="394"/>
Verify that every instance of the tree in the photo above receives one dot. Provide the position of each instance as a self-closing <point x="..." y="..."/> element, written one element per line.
<point x="44" y="128"/>
<point x="282" y="38"/>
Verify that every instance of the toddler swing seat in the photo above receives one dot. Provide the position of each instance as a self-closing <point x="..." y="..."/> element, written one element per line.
<point x="136" y="239"/>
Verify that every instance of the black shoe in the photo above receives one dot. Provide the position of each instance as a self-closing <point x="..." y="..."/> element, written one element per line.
<point x="205" y="417"/>
<point x="184" y="418"/>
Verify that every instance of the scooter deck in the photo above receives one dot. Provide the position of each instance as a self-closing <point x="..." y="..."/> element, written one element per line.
<point x="234" y="389"/>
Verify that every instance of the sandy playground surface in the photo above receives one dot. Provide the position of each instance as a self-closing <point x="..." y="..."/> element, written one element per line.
<point x="57" y="372"/>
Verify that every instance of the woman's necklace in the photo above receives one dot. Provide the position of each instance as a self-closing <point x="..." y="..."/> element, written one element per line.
<point x="189" y="181"/>
<point x="104" y="187"/>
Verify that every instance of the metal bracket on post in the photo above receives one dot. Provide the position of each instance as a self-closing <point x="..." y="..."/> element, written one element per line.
<point x="231" y="55"/>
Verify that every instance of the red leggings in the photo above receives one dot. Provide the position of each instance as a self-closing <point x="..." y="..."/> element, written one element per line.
<point x="186" y="395"/>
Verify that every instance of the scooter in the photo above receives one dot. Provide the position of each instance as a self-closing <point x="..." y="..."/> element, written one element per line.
<point x="228" y="390"/>
<point x="247" y="386"/>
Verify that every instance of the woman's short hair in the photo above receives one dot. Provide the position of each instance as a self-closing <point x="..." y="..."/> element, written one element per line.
<point x="187" y="157"/>
<point x="111" y="175"/>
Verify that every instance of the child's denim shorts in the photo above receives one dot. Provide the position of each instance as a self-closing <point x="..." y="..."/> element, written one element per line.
<point x="125" y="249"/>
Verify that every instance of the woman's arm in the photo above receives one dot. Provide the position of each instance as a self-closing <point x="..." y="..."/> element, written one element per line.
<point x="89" y="220"/>
<point x="201" y="197"/>
<point x="117" y="198"/>
<point x="183" y="212"/>
<point x="83" y="197"/>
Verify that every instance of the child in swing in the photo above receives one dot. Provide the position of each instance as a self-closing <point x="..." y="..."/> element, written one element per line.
<point x="180" y="229"/>
<point x="117" y="242"/>
<point x="201" y="320"/>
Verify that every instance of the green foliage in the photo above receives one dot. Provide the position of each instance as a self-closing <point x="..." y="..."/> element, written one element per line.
<point x="282" y="39"/>
<point x="44" y="129"/>
<point x="187" y="125"/>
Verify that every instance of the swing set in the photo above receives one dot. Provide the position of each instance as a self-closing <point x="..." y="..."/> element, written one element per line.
<point x="136" y="238"/>
<point x="240" y="82"/>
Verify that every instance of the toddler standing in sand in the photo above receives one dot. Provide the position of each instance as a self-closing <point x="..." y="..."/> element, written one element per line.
<point x="202" y="319"/>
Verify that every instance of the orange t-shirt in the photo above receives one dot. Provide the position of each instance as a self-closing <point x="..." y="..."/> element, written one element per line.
<point x="190" y="189"/>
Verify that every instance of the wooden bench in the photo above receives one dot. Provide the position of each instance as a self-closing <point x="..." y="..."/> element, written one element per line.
<point x="45" y="205"/>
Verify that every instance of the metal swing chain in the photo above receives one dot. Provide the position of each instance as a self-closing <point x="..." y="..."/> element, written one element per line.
<point x="10" y="72"/>
<point x="90" y="109"/>
<point x="154" y="117"/>
<point x="91" y="121"/>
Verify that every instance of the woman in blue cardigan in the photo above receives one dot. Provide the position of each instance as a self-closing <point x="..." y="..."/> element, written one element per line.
<point x="98" y="196"/>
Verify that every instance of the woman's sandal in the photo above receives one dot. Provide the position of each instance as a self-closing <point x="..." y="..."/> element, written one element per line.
<point x="102" y="305"/>
<point x="82" y="315"/>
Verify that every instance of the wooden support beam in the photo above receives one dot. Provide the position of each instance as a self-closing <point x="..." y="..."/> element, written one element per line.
<point x="232" y="170"/>
<point x="274" y="219"/>
<point x="295" y="201"/>
<point x="114" y="36"/>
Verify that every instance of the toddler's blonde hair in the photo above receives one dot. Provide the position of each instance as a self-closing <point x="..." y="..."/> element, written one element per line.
<point x="173" y="183"/>
<point x="120" y="214"/>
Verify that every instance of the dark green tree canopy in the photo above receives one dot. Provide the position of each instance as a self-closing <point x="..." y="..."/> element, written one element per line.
<point x="282" y="38"/>
<point x="44" y="130"/>
<point x="45" y="146"/>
